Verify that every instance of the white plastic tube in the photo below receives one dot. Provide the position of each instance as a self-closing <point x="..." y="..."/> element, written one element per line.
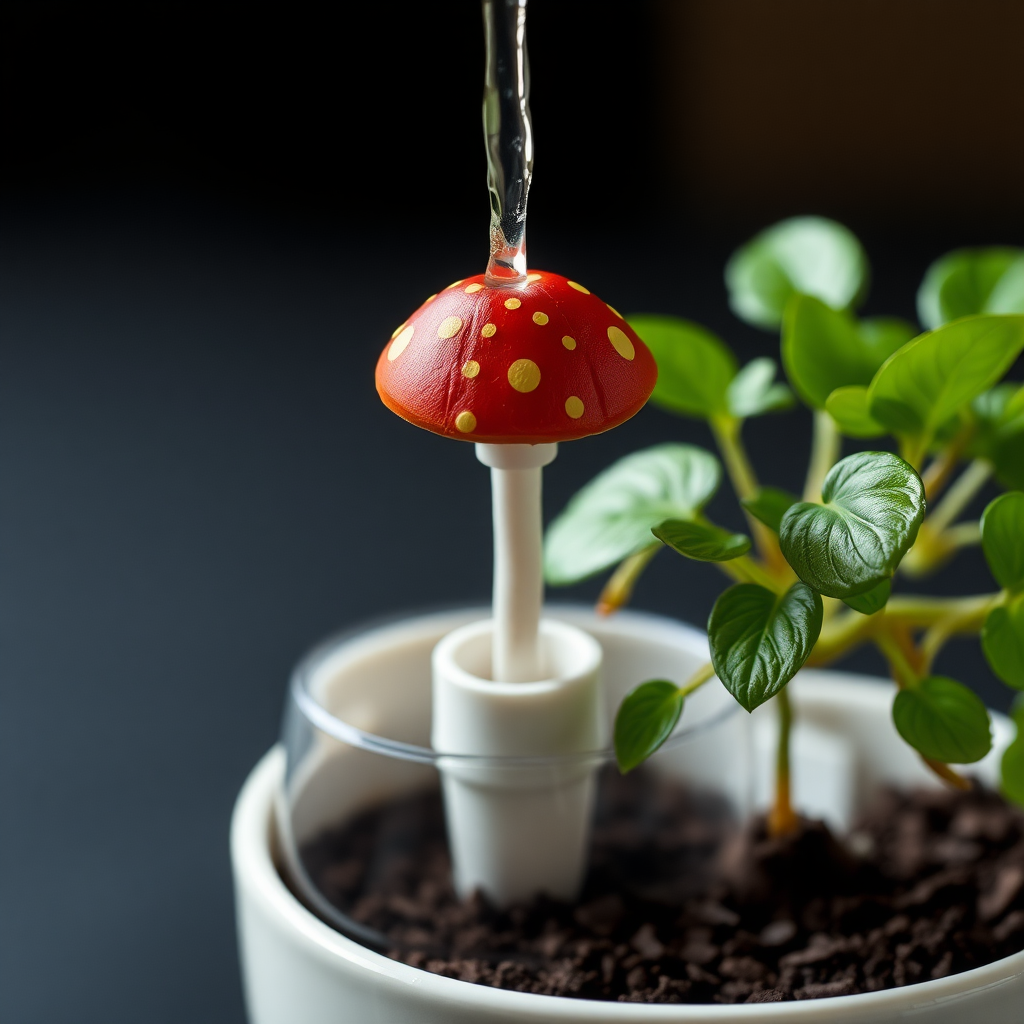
<point x="518" y="580"/>
<point x="516" y="830"/>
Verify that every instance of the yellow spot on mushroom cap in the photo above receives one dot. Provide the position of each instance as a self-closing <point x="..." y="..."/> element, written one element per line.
<point x="465" y="422"/>
<point x="621" y="343"/>
<point x="524" y="375"/>
<point x="488" y="331"/>
<point x="400" y="344"/>
<point x="569" y="343"/>
<point x="573" y="407"/>
<point x="578" y="287"/>
<point x="430" y="298"/>
<point x="530" y="278"/>
<point x="470" y="368"/>
<point x="396" y="330"/>
<point x="512" y="303"/>
<point x="472" y="289"/>
<point x="455" y="284"/>
<point x="540" y="318"/>
<point x="616" y="312"/>
<point x="450" y="326"/>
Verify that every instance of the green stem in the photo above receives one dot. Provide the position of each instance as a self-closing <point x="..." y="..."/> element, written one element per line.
<point x="917" y="610"/>
<point x="782" y="819"/>
<point x="959" y="495"/>
<point x="745" y="570"/>
<point x="726" y="430"/>
<point x="698" y="679"/>
<point x="825" y="449"/>
<point x="902" y="671"/>
<point x="619" y="588"/>
<point x="965" y="619"/>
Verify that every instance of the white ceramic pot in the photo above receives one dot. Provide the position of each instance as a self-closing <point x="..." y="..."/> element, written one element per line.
<point x="298" y="970"/>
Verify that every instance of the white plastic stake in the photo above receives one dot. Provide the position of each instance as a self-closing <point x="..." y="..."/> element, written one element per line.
<point x="518" y="576"/>
<point x="518" y="827"/>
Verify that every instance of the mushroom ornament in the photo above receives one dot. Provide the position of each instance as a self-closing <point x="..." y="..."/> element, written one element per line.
<point x="516" y="369"/>
<point x="516" y="361"/>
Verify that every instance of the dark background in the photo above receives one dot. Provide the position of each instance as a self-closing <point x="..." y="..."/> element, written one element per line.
<point x="211" y="219"/>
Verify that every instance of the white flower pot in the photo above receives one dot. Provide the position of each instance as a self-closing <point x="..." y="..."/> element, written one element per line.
<point x="298" y="970"/>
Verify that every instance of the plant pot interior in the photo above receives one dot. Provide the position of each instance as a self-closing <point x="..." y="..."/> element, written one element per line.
<point x="686" y="900"/>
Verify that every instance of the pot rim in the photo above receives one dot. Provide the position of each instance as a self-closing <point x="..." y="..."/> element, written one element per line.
<point x="254" y="860"/>
<point x="341" y="644"/>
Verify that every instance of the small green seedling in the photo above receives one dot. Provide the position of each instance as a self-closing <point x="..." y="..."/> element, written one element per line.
<point x="815" y="577"/>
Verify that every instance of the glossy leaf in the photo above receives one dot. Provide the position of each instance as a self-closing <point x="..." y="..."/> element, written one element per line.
<point x="873" y="506"/>
<point x="754" y="390"/>
<point x="999" y="432"/>
<point x="809" y="255"/>
<point x="694" y="366"/>
<point x="645" y="719"/>
<point x="1002" y="539"/>
<point x="871" y="601"/>
<point x="612" y="516"/>
<point x="970" y="281"/>
<point x="1002" y="640"/>
<point x="701" y="541"/>
<point x="943" y="720"/>
<point x="849" y="409"/>
<point x="759" y="639"/>
<point x="824" y="348"/>
<point x="1012" y="771"/>
<point x="769" y="505"/>
<point x="930" y="379"/>
<point x="1012" y="767"/>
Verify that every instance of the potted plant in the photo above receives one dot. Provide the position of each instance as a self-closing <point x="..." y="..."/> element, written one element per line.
<point x="783" y="912"/>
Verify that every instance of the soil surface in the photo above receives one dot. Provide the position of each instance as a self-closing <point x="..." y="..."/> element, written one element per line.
<point x="680" y="906"/>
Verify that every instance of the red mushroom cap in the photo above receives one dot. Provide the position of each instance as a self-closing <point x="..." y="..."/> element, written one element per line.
<point x="544" y="362"/>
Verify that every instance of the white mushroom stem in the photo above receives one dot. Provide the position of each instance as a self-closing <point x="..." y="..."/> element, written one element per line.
<point x="518" y="574"/>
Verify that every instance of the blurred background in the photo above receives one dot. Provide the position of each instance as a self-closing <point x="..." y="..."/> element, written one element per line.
<point x="212" y="218"/>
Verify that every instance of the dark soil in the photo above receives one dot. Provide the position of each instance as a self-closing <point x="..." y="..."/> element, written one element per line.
<point x="680" y="907"/>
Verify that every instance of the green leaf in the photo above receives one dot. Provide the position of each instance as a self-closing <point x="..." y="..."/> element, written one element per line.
<point x="1002" y="640"/>
<point x="753" y="390"/>
<point x="999" y="432"/>
<point x="694" y="366"/>
<point x="810" y="255"/>
<point x="1013" y="757"/>
<point x="848" y="407"/>
<point x="701" y="541"/>
<point x="1012" y="771"/>
<point x="612" y="516"/>
<point x="943" y="720"/>
<point x="824" y="348"/>
<point x="880" y="336"/>
<point x="1002" y="539"/>
<point x="759" y="639"/>
<point x="970" y="281"/>
<point x="769" y="504"/>
<point x="873" y="506"/>
<point x="930" y="379"/>
<point x="645" y="719"/>
<point x="871" y="601"/>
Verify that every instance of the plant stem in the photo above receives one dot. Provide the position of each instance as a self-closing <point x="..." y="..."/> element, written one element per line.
<point x="745" y="570"/>
<point x="902" y="671"/>
<point x="726" y="430"/>
<point x="698" y="679"/>
<point x="619" y="588"/>
<point x="940" y="469"/>
<point x="825" y="448"/>
<point x="968" y="618"/>
<point x="932" y="549"/>
<point x="947" y="774"/>
<point x="782" y="819"/>
<point x="959" y="495"/>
